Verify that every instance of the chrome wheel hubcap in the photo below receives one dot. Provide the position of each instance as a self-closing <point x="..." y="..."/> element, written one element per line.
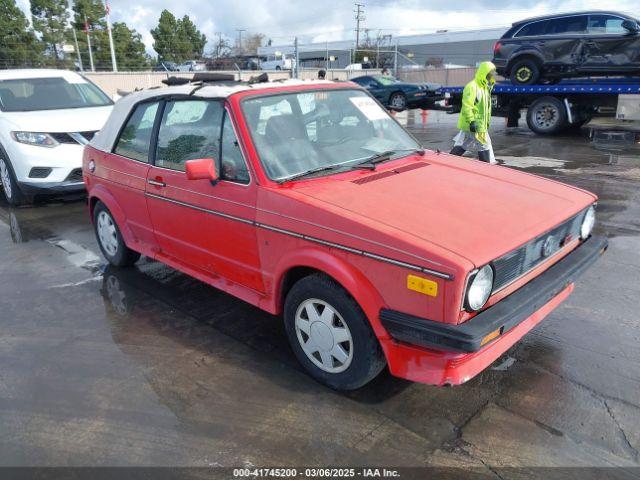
<point x="546" y="116"/>
<point x="324" y="336"/>
<point x="107" y="233"/>
<point x="5" y="179"/>
<point x="397" y="101"/>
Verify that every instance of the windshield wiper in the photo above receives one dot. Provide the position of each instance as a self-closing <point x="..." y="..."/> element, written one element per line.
<point x="373" y="160"/>
<point x="309" y="172"/>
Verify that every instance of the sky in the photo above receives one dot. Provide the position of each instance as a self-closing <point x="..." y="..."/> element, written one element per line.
<point x="326" y="20"/>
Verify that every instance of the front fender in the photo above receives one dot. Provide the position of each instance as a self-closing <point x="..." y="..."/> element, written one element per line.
<point x="338" y="268"/>
<point x="99" y="192"/>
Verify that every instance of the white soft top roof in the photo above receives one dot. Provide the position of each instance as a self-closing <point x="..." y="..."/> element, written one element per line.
<point x="105" y="138"/>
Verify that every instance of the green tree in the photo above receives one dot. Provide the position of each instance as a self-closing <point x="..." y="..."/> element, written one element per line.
<point x="195" y="40"/>
<point x="165" y="40"/>
<point x="177" y="40"/>
<point x="50" y="18"/>
<point x="129" y="48"/>
<point x="19" y="46"/>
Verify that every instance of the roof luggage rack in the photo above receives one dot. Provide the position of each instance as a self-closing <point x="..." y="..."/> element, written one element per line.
<point x="202" y="78"/>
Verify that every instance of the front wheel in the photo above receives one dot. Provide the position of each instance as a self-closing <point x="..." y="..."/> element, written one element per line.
<point x="398" y="101"/>
<point x="12" y="192"/>
<point x="110" y="239"/>
<point x="547" y="116"/>
<point x="330" y="335"/>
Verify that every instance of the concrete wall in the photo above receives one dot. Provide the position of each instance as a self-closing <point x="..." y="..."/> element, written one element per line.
<point x="130" y="81"/>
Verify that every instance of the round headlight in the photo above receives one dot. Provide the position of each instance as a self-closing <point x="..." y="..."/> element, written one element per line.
<point x="588" y="222"/>
<point x="480" y="288"/>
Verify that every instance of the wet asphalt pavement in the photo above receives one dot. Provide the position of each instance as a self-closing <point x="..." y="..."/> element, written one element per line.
<point x="145" y="366"/>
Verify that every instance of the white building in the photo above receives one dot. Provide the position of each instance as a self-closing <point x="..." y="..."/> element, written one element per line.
<point x="461" y="48"/>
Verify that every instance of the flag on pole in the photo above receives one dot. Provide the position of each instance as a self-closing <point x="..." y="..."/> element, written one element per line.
<point x="106" y="7"/>
<point x="86" y="26"/>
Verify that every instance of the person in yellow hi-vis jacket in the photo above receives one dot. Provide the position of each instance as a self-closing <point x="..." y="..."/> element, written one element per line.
<point x="475" y="115"/>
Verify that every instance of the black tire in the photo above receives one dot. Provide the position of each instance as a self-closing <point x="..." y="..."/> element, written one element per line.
<point x="12" y="192"/>
<point x="366" y="357"/>
<point x="278" y="67"/>
<point x="398" y="101"/>
<point x="121" y="255"/>
<point x="525" y="72"/>
<point x="547" y="116"/>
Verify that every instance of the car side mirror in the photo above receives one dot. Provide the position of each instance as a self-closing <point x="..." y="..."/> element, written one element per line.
<point x="630" y="26"/>
<point x="201" y="169"/>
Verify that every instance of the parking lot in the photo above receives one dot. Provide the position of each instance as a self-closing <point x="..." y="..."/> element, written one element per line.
<point x="146" y="366"/>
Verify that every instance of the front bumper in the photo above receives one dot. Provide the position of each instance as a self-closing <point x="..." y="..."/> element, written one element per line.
<point x="454" y="353"/>
<point x="51" y="188"/>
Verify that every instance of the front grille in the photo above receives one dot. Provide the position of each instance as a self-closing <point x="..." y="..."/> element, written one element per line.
<point x="520" y="261"/>
<point x="88" y="135"/>
<point x="81" y="138"/>
<point x="39" y="172"/>
<point x="63" y="137"/>
<point x="75" y="175"/>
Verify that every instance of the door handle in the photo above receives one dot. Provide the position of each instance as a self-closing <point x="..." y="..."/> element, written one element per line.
<point x="156" y="183"/>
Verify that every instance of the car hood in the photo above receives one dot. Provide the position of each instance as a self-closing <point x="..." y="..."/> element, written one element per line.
<point x="475" y="210"/>
<point x="54" y="121"/>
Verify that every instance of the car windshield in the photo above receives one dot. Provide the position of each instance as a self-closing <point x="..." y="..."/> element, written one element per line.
<point x="299" y="132"/>
<point x="31" y="94"/>
<point x="386" y="80"/>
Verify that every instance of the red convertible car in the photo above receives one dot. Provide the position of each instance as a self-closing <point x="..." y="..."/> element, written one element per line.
<point x="308" y="200"/>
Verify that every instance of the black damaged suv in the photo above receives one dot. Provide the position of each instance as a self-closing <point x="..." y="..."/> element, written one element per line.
<point x="569" y="45"/>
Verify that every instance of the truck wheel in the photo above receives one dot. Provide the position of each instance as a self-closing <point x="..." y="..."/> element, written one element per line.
<point x="547" y="116"/>
<point x="525" y="72"/>
<point x="398" y="101"/>
<point x="10" y="187"/>
<point x="110" y="239"/>
<point x="330" y="335"/>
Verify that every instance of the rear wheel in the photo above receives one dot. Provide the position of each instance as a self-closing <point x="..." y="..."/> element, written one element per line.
<point x="10" y="188"/>
<point x="546" y="116"/>
<point x="525" y="72"/>
<point x="110" y="239"/>
<point x="330" y="335"/>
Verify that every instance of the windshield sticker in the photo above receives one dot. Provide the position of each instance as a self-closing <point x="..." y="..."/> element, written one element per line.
<point x="369" y="108"/>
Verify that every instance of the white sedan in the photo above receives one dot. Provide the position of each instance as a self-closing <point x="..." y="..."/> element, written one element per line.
<point x="46" y="118"/>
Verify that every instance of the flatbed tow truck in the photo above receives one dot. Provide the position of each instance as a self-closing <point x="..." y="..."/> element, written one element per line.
<point x="608" y="107"/>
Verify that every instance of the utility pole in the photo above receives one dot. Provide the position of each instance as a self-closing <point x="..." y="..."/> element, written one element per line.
<point x="359" y="18"/>
<point x="114" y="66"/>
<point x="240" y="30"/>
<point x="75" y="39"/>
<point x="296" y="68"/>
<point x="86" y="29"/>
<point x="395" y="59"/>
